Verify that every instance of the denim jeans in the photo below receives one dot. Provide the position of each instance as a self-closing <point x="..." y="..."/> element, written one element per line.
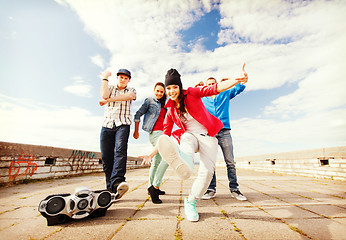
<point x="113" y="142"/>
<point x="158" y="165"/>
<point x="225" y="141"/>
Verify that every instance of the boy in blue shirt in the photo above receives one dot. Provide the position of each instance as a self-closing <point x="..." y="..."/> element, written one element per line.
<point x="218" y="106"/>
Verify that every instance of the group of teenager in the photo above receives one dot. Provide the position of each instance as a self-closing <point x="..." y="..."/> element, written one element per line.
<point x="200" y="113"/>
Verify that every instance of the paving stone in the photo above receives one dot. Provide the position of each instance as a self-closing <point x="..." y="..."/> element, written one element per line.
<point x="278" y="207"/>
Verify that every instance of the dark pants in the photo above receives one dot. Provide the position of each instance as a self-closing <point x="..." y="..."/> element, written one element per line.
<point x="113" y="142"/>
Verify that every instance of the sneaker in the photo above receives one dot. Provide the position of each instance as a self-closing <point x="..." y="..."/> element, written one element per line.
<point x="181" y="163"/>
<point x="190" y="210"/>
<point x="238" y="195"/>
<point x="121" y="189"/>
<point x="208" y="195"/>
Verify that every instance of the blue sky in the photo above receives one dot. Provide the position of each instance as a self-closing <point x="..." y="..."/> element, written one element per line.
<point x="51" y="54"/>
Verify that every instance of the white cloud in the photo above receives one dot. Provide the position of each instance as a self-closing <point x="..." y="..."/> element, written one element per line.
<point x="260" y="136"/>
<point x="8" y="31"/>
<point x="142" y="36"/>
<point x="79" y="88"/>
<point x="281" y="41"/>
<point x="61" y="2"/>
<point x="67" y="127"/>
<point x="98" y="61"/>
<point x="316" y="93"/>
<point x="263" y="21"/>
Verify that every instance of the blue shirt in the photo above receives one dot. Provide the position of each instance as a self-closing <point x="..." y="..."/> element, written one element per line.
<point x="219" y="105"/>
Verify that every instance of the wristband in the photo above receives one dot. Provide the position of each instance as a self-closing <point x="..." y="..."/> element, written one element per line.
<point x="105" y="79"/>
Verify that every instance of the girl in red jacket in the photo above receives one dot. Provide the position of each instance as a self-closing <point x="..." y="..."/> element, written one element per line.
<point x="197" y="128"/>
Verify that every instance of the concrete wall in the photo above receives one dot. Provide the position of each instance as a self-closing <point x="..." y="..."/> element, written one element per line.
<point x="22" y="162"/>
<point x="322" y="163"/>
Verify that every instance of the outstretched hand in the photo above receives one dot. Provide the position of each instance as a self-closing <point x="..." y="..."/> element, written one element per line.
<point x="244" y="78"/>
<point x="146" y="160"/>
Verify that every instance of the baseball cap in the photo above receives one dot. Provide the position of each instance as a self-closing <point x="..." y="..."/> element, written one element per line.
<point x="124" y="72"/>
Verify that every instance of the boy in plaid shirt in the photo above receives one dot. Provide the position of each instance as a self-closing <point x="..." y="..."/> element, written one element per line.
<point x="116" y="129"/>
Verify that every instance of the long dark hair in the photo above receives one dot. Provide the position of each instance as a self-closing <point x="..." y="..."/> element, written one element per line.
<point x="164" y="97"/>
<point x="181" y="108"/>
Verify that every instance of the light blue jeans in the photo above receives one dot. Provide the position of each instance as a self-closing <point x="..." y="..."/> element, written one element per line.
<point x="158" y="165"/>
<point x="225" y="141"/>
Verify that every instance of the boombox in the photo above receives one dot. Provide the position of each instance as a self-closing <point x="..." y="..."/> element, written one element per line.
<point x="59" y="208"/>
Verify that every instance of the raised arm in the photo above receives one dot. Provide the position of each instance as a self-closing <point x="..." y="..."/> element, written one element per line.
<point x="104" y="85"/>
<point x="227" y="84"/>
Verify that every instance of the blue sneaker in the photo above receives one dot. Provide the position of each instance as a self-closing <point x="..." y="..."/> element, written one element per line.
<point x="190" y="210"/>
<point x="181" y="163"/>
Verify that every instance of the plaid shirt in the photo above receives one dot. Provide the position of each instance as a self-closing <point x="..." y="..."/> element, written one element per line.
<point x="119" y="112"/>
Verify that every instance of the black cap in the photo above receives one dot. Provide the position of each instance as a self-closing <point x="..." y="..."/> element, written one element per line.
<point x="173" y="78"/>
<point x="124" y="72"/>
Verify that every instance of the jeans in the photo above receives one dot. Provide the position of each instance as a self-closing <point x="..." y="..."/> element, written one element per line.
<point x="158" y="165"/>
<point x="113" y="142"/>
<point x="151" y="109"/>
<point x="225" y="141"/>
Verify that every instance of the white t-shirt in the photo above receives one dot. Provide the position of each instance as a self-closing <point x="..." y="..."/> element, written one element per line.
<point x="192" y="125"/>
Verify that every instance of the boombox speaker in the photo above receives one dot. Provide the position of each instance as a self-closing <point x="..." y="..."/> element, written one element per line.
<point x="59" y="208"/>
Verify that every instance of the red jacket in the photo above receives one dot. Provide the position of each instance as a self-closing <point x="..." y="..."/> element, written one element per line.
<point x="196" y="109"/>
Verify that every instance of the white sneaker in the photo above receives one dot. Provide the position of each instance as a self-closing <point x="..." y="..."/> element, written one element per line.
<point x="208" y="195"/>
<point x="238" y="195"/>
<point x="122" y="188"/>
<point x="179" y="161"/>
<point x="190" y="210"/>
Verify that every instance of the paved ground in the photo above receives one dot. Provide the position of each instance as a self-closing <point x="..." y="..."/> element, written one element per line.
<point x="278" y="207"/>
